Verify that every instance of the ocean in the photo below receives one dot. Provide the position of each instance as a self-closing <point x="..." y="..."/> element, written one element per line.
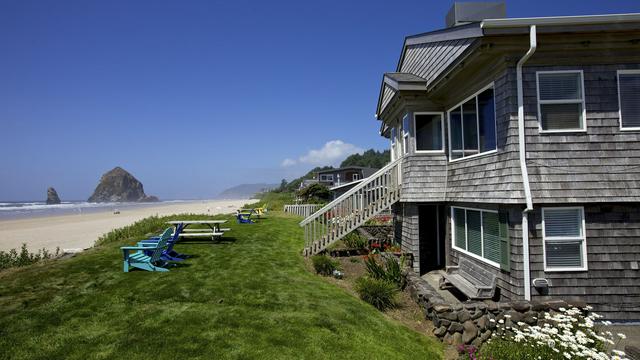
<point x="30" y="209"/>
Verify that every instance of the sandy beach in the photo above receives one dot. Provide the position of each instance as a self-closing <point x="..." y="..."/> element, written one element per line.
<point x="81" y="231"/>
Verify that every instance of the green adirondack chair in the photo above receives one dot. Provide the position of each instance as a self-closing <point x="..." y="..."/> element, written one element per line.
<point x="141" y="261"/>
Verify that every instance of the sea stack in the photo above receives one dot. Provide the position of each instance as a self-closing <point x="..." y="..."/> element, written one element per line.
<point x="118" y="185"/>
<point x="52" y="196"/>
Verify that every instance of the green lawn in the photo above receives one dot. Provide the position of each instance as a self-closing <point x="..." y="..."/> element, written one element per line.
<point x="251" y="298"/>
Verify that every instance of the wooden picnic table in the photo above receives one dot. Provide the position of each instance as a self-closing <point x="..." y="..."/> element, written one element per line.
<point x="213" y="232"/>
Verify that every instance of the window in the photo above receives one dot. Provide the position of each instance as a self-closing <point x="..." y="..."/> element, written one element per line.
<point x="429" y="132"/>
<point x="326" y="177"/>
<point x="629" y="98"/>
<point x="565" y="247"/>
<point x="481" y="234"/>
<point x="405" y="133"/>
<point x="472" y="126"/>
<point x="356" y="176"/>
<point x="561" y="101"/>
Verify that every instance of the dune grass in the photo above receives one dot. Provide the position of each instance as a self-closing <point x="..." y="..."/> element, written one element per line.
<point x="250" y="297"/>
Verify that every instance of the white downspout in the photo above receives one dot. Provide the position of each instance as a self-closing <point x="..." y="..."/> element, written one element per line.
<point x="523" y="164"/>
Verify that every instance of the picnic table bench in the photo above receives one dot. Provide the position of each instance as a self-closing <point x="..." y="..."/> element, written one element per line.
<point x="472" y="280"/>
<point x="212" y="231"/>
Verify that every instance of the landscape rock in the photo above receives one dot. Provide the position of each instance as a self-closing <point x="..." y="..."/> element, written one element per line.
<point x="483" y="323"/>
<point x="117" y="185"/>
<point x="470" y="332"/>
<point x="439" y="332"/>
<point x="455" y="327"/>
<point x="52" y="196"/>
<point x="456" y="339"/>
<point x="520" y="306"/>
<point x="463" y="316"/>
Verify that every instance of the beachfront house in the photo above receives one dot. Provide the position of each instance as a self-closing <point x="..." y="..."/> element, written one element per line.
<point x="515" y="154"/>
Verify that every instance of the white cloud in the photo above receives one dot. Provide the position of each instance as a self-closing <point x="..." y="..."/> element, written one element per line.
<point x="332" y="153"/>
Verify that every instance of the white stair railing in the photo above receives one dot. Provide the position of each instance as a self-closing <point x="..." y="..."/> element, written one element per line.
<point x="352" y="209"/>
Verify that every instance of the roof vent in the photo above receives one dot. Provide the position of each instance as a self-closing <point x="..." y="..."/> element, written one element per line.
<point x="467" y="12"/>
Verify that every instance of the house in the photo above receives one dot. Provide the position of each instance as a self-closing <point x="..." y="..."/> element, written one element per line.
<point x="516" y="150"/>
<point x="344" y="175"/>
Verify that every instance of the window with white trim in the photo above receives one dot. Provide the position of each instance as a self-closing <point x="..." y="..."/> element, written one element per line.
<point x="561" y="101"/>
<point x="356" y="176"/>
<point x="405" y="133"/>
<point x="481" y="234"/>
<point x="472" y="126"/>
<point x="429" y="132"/>
<point x="629" y="99"/>
<point x="565" y="245"/>
<point x="328" y="177"/>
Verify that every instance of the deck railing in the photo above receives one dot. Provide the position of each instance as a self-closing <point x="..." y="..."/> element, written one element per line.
<point x="352" y="209"/>
<point x="304" y="210"/>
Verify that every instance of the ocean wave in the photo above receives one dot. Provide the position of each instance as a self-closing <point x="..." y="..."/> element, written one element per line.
<point x="23" y="207"/>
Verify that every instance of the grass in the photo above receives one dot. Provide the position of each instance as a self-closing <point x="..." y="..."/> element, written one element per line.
<point x="248" y="298"/>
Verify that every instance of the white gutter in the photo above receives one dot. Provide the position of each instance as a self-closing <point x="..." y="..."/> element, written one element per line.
<point x="561" y="20"/>
<point x="523" y="164"/>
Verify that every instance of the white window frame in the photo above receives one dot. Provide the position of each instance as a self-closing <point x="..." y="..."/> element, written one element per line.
<point x="466" y="252"/>
<point x="545" y="238"/>
<point x="327" y="177"/>
<point x="495" y="118"/>
<point x="405" y="133"/>
<point x="415" y="131"/>
<point x="582" y="101"/>
<point x="636" y="72"/>
<point x="355" y="177"/>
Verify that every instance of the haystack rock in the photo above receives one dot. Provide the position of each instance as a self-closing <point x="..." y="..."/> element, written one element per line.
<point x="118" y="185"/>
<point x="52" y="196"/>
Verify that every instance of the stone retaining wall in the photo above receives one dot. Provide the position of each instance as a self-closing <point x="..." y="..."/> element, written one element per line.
<point x="377" y="233"/>
<point x="473" y="322"/>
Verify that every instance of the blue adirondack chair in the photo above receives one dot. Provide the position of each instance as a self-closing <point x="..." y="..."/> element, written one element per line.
<point x="143" y="261"/>
<point x="168" y="254"/>
<point x="244" y="218"/>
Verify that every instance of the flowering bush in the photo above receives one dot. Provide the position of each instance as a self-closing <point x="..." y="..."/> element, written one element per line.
<point x="568" y="334"/>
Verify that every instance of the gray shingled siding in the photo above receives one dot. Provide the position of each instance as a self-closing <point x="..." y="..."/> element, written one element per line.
<point x="601" y="165"/>
<point x="610" y="285"/>
<point x="429" y="60"/>
<point x="408" y="232"/>
<point x="423" y="178"/>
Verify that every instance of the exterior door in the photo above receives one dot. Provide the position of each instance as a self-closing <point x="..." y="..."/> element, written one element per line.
<point x="431" y="239"/>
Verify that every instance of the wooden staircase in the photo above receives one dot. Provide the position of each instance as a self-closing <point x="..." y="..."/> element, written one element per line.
<point x="352" y="209"/>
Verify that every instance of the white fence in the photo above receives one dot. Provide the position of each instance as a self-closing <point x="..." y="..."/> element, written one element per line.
<point x="304" y="210"/>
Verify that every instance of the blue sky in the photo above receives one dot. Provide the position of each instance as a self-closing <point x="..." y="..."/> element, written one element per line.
<point x="196" y="96"/>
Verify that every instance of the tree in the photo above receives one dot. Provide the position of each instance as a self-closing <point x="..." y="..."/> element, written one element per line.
<point x="314" y="193"/>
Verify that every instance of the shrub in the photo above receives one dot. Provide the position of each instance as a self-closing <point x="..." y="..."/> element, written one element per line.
<point x="390" y="271"/>
<point x="12" y="258"/>
<point x="354" y="240"/>
<point x="379" y="293"/>
<point x="324" y="265"/>
<point x="565" y="335"/>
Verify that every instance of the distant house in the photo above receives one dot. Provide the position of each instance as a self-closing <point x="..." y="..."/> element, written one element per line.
<point x="516" y="150"/>
<point x="344" y="175"/>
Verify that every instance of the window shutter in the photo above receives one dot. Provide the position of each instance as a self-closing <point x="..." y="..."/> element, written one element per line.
<point x="459" y="221"/>
<point x="474" y="233"/>
<point x="491" y="234"/>
<point x="630" y="99"/>
<point x="505" y="244"/>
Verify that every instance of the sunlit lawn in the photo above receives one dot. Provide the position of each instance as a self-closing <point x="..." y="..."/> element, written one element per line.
<point x="248" y="298"/>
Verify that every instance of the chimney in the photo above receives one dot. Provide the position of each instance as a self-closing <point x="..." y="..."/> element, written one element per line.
<point x="467" y="12"/>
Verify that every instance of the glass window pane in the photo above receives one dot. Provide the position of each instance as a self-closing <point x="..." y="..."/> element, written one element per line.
<point x="487" y="120"/>
<point x="564" y="254"/>
<point x="630" y="99"/>
<point x="561" y="116"/>
<point x="459" y="232"/>
<point x="560" y="86"/>
<point x="455" y="127"/>
<point x="470" y="127"/>
<point x="428" y="132"/>
<point x="405" y="124"/>
<point x="562" y="222"/>
<point x="491" y="236"/>
<point x="393" y="135"/>
<point x="474" y="232"/>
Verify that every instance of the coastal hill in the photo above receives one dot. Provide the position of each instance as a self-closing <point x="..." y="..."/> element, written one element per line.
<point x="245" y="191"/>
<point x="118" y="185"/>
